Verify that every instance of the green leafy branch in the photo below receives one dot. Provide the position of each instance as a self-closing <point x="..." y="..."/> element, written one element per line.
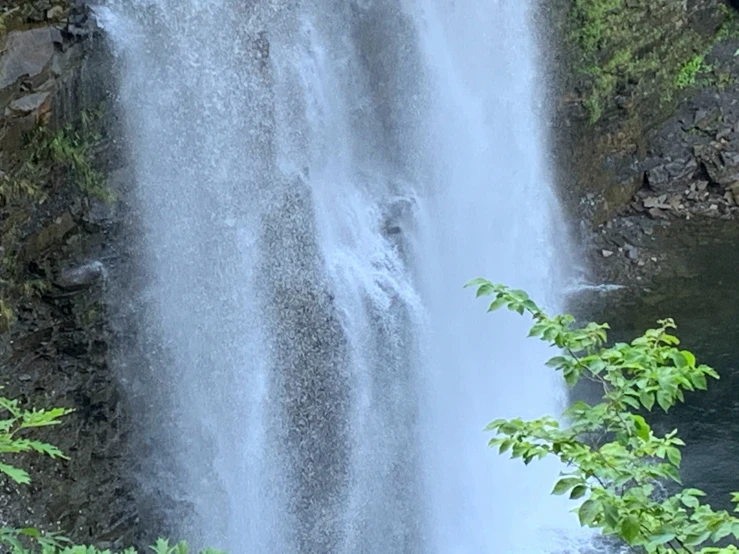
<point x="14" y="422"/>
<point x="18" y="420"/>
<point x="616" y="464"/>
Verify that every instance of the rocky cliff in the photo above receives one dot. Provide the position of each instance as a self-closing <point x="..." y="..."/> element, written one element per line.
<point x="57" y="213"/>
<point x="624" y="68"/>
<point x="646" y="125"/>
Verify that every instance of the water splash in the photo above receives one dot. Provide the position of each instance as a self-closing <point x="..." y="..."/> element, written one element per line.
<point x="315" y="182"/>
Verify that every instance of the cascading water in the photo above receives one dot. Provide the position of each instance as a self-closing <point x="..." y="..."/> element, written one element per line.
<point x="316" y="180"/>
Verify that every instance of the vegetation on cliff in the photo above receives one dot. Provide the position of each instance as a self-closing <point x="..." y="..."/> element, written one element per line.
<point x="639" y="54"/>
<point x="14" y="426"/>
<point x="48" y="156"/>
<point x="626" y="474"/>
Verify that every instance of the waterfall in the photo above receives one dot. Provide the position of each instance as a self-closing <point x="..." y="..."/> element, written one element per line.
<point x="315" y="181"/>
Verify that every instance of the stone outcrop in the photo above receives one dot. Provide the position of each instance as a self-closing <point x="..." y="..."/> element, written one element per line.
<point x="623" y="69"/>
<point x="50" y="64"/>
<point x="55" y="341"/>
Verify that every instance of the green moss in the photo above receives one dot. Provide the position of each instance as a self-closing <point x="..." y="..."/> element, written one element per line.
<point x="7" y="317"/>
<point x="591" y="22"/>
<point x="722" y="79"/>
<point x="688" y="73"/>
<point x="69" y="150"/>
<point x="631" y="50"/>
<point x="47" y="156"/>
<point x="18" y="189"/>
<point x="34" y="288"/>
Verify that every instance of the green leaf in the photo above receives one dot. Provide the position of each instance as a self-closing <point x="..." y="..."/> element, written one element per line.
<point x="588" y="512"/>
<point x="486" y="289"/>
<point x="611" y="516"/>
<point x="674" y="455"/>
<point x="565" y="484"/>
<point x="578" y="492"/>
<point x="642" y="427"/>
<point x="671" y="472"/>
<point x="597" y="366"/>
<point x="46" y="449"/>
<point x="630" y="530"/>
<point x="162" y="547"/>
<point x="664" y="400"/>
<point x="633" y="402"/>
<point x="16" y="474"/>
<point x="695" y="539"/>
<point x="679" y="360"/>
<point x="477" y="282"/>
<point x="497" y="304"/>
<point x="494" y="425"/>
<point x="662" y="538"/>
<point x="723" y="531"/>
<point x="505" y="446"/>
<point x="699" y="381"/>
<point x="647" y="399"/>
<point x="557" y="362"/>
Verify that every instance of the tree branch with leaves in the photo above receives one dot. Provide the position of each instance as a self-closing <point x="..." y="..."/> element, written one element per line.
<point x="614" y="461"/>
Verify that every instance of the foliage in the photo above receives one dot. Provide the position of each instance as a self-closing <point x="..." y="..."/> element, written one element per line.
<point x="6" y="315"/>
<point x="45" y="156"/>
<point x="71" y="149"/>
<point x="632" y="51"/>
<point x="14" y="423"/>
<point x="625" y="474"/>
<point x="686" y="77"/>
<point x="12" y="427"/>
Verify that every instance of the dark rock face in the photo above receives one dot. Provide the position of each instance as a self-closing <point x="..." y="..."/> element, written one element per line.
<point x="81" y="277"/>
<point x="658" y="162"/>
<point x="55" y="350"/>
<point x="616" y="88"/>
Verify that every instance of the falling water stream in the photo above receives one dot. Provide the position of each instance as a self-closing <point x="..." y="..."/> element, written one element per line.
<point x="315" y="182"/>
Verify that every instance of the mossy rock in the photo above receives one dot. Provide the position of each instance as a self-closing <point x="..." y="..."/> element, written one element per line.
<point x="21" y="13"/>
<point x="639" y="54"/>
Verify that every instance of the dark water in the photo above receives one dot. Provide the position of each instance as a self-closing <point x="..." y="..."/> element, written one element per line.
<point x="704" y="301"/>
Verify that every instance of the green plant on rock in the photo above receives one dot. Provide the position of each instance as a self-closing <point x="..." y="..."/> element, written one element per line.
<point x="18" y="189"/>
<point x="34" y="288"/>
<point x="625" y="475"/>
<point x="5" y="13"/>
<point x="629" y="58"/>
<point x="13" y="426"/>
<point x="71" y="150"/>
<point x="688" y="73"/>
<point x="15" y="423"/>
<point x="6" y="315"/>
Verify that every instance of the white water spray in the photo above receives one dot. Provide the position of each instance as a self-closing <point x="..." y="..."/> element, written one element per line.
<point x="316" y="181"/>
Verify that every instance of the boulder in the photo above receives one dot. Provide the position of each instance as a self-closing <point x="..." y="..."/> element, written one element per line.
<point x="632" y="252"/>
<point x="38" y="104"/>
<point x="27" y="54"/>
<point x="49" y="236"/>
<point x="657" y="177"/>
<point x="81" y="277"/>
